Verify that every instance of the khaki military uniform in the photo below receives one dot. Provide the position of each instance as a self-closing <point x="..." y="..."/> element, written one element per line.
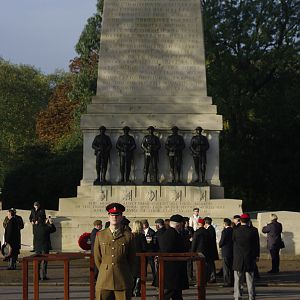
<point x="114" y="258"/>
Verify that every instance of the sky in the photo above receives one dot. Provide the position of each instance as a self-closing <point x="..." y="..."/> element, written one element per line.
<point x="42" y="33"/>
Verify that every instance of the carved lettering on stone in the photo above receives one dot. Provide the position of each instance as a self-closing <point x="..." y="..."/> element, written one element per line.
<point x="175" y="196"/>
<point x="101" y="196"/>
<point x="150" y="196"/>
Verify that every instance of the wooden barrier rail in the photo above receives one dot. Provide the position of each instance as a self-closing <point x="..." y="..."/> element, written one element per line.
<point x="162" y="258"/>
<point x="66" y="258"/>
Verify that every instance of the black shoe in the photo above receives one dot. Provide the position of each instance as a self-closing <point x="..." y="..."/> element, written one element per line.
<point x="272" y="272"/>
<point x="32" y="250"/>
<point x="212" y="281"/>
<point x="45" y="278"/>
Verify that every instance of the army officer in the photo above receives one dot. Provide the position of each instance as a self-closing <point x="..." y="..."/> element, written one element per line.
<point x="114" y="254"/>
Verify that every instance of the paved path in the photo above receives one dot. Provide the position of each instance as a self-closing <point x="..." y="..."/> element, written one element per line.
<point x="82" y="293"/>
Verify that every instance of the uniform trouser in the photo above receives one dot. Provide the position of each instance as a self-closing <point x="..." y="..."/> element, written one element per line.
<point x="172" y="294"/>
<point x="113" y="295"/>
<point x="238" y="284"/>
<point x="227" y="270"/>
<point x="275" y="259"/>
<point x="101" y="166"/>
<point x="190" y="270"/>
<point x="125" y="167"/>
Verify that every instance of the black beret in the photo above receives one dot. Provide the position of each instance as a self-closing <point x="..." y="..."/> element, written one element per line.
<point x="177" y="218"/>
<point x="236" y="216"/>
<point x="150" y="128"/>
<point x="115" y="208"/>
<point x="199" y="128"/>
<point x="126" y="128"/>
<point x="102" y="128"/>
<point x="174" y="128"/>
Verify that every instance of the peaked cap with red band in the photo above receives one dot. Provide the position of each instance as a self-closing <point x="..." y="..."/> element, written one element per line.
<point x="115" y="209"/>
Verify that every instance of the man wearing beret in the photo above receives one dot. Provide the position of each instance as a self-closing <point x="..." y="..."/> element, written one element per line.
<point x="245" y="254"/>
<point x="114" y="254"/>
<point x="176" y="278"/>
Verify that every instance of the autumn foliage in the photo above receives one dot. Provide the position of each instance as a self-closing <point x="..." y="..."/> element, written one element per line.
<point x="56" y="121"/>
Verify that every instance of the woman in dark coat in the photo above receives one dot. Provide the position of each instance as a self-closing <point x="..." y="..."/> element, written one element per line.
<point x="140" y="246"/>
<point x="42" y="243"/>
<point x="12" y="236"/>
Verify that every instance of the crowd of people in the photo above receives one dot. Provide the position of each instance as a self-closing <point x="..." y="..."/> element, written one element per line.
<point x="115" y="248"/>
<point x="117" y="268"/>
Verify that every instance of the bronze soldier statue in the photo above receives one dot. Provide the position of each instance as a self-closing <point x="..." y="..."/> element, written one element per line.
<point x="151" y="146"/>
<point x="199" y="146"/>
<point x="174" y="146"/>
<point x="125" y="145"/>
<point x="102" y="146"/>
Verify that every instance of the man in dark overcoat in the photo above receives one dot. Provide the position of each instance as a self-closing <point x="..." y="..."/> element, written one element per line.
<point x="226" y="245"/>
<point x="42" y="243"/>
<point x="12" y="236"/>
<point x="176" y="278"/>
<point x="274" y="241"/>
<point x="36" y="213"/>
<point x="245" y="254"/>
<point x="213" y="253"/>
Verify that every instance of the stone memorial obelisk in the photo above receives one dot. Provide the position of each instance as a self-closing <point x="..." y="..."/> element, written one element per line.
<point x="151" y="73"/>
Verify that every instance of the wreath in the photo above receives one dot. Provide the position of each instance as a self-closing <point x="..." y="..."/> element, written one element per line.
<point x="84" y="241"/>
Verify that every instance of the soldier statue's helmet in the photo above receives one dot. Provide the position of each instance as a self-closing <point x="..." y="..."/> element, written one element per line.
<point x="174" y="128"/>
<point x="115" y="209"/>
<point x="102" y="128"/>
<point x="151" y="128"/>
<point x="126" y="128"/>
<point x="199" y="128"/>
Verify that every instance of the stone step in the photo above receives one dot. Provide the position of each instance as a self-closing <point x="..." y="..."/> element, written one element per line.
<point x="161" y="108"/>
<point x="163" y="121"/>
<point x="193" y="99"/>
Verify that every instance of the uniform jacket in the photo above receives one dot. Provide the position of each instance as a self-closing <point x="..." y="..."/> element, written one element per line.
<point x="42" y="233"/>
<point x="175" y="272"/>
<point x="213" y="243"/>
<point x="200" y="242"/>
<point x="245" y="248"/>
<point x="226" y="243"/>
<point x="273" y="231"/>
<point x="114" y="258"/>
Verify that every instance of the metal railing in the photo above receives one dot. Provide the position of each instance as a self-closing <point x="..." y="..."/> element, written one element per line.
<point x="66" y="258"/>
<point x="162" y="258"/>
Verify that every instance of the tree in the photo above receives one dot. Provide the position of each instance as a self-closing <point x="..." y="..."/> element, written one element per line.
<point x="252" y="59"/>
<point x="24" y="91"/>
<point x="56" y="121"/>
